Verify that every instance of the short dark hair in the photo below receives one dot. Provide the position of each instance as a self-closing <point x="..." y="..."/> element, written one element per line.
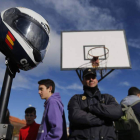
<point x="30" y="110"/>
<point x="47" y="83"/>
<point x="133" y="91"/>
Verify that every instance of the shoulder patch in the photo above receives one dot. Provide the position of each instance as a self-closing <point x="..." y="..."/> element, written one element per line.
<point x="84" y="97"/>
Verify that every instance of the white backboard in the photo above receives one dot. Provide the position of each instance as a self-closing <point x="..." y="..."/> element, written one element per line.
<point x="111" y="46"/>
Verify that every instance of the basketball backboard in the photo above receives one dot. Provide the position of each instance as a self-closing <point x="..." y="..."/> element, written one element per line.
<point x="78" y="48"/>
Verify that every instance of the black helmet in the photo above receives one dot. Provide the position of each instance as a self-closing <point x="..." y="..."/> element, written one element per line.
<point x="24" y="37"/>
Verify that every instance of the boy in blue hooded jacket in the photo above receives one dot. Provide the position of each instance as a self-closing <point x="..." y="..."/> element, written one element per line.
<point x="53" y="125"/>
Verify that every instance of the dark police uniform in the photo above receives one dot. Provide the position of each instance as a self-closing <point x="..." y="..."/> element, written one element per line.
<point x="91" y="115"/>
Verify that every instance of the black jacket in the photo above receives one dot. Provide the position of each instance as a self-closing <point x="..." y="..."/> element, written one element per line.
<point x="91" y="116"/>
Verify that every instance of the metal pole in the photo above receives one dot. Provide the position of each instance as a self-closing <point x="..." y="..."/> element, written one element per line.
<point x="5" y="94"/>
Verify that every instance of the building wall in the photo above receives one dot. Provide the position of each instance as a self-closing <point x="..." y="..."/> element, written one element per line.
<point x="18" y="124"/>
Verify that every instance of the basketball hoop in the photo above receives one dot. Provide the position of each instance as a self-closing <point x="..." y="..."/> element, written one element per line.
<point x="98" y="60"/>
<point x="95" y="62"/>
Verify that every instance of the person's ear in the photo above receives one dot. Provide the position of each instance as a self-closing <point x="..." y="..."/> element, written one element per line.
<point x="96" y="80"/>
<point x="50" y="88"/>
<point x="138" y="95"/>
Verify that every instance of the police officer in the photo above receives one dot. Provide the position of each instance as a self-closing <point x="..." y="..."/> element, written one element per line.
<point x="91" y="114"/>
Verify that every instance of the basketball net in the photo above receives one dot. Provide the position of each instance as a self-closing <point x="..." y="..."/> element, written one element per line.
<point x="98" y="61"/>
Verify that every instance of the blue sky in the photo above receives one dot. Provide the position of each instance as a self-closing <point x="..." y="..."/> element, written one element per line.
<point x="75" y="15"/>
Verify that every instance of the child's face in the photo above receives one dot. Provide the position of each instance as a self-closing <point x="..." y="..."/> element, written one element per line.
<point x="44" y="92"/>
<point x="30" y="117"/>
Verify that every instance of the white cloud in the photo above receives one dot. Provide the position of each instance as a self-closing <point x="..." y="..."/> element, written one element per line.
<point x="81" y="16"/>
<point x="73" y="86"/>
<point x="22" y="82"/>
<point x="113" y="74"/>
<point x="134" y="43"/>
<point x="7" y="4"/>
<point x="19" y="82"/>
<point x="58" y="86"/>
<point x="53" y="55"/>
<point x="125" y="83"/>
<point x="138" y="3"/>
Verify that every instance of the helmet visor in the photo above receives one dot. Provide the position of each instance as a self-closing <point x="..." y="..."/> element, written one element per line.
<point x="34" y="33"/>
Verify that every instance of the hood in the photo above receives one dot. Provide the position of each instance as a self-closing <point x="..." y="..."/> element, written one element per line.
<point x="130" y="99"/>
<point x="55" y="96"/>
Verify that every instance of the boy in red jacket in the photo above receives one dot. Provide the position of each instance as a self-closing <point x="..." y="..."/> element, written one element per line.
<point x="29" y="132"/>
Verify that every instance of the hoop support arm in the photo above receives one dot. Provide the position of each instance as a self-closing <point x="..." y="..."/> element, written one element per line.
<point x="79" y="73"/>
<point x="102" y="77"/>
